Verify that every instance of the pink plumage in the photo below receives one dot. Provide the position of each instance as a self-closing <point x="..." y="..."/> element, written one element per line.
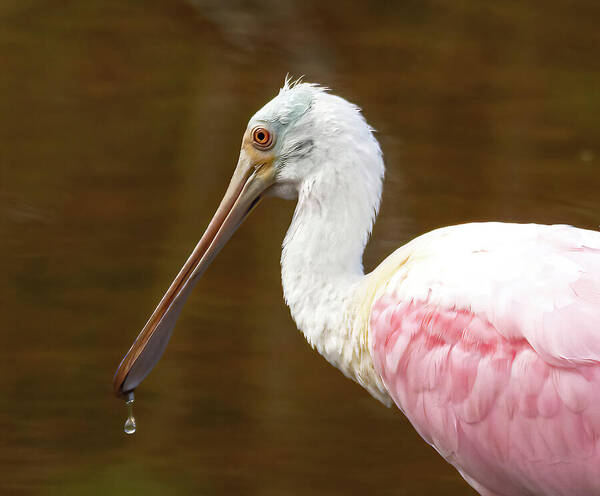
<point x="486" y="335"/>
<point x="499" y="369"/>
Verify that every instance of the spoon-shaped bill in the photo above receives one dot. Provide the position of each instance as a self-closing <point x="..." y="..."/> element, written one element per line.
<point x="244" y="192"/>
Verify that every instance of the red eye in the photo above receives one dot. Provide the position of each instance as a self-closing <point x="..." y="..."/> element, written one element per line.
<point x="262" y="138"/>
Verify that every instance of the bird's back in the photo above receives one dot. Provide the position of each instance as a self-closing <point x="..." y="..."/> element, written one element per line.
<point x="487" y="336"/>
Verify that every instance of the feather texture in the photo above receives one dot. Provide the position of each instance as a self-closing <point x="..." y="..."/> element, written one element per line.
<point x="488" y="338"/>
<point x="485" y="335"/>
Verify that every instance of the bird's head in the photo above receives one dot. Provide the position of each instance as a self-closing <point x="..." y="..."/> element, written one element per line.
<point x="300" y="135"/>
<point x="303" y="136"/>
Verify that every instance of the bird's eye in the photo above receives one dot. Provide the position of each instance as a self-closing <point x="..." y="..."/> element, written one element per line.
<point x="262" y="138"/>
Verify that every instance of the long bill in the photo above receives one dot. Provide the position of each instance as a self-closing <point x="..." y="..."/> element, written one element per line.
<point x="243" y="194"/>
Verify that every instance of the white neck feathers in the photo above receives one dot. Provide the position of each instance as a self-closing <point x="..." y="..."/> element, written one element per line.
<point x="321" y="262"/>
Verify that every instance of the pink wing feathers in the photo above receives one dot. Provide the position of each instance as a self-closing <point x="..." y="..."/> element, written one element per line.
<point x="488" y="338"/>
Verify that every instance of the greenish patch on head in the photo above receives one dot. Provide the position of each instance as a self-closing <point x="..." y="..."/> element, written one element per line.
<point x="292" y="102"/>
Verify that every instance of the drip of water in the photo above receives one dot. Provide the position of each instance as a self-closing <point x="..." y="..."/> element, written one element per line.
<point x="129" y="426"/>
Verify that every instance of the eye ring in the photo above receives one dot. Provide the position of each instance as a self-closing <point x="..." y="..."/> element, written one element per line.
<point x="262" y="138"/>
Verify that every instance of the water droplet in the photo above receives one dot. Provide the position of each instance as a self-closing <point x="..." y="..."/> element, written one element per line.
<point x="129" y="426"/>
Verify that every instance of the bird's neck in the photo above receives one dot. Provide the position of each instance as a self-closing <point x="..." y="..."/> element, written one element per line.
<point x="322" y="273"/>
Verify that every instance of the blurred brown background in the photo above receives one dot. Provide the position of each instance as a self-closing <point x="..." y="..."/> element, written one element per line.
<point x="120" y="124"/>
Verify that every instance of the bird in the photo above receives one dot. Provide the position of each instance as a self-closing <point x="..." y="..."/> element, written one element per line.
<point x="486" y="336"/>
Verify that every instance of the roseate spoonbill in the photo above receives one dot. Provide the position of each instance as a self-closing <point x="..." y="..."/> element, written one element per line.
<point x="485" y="335"/>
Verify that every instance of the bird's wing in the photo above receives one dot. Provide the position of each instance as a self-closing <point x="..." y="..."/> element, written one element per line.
<point x="487" y="336"/>
<point x="534" y="282"/>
